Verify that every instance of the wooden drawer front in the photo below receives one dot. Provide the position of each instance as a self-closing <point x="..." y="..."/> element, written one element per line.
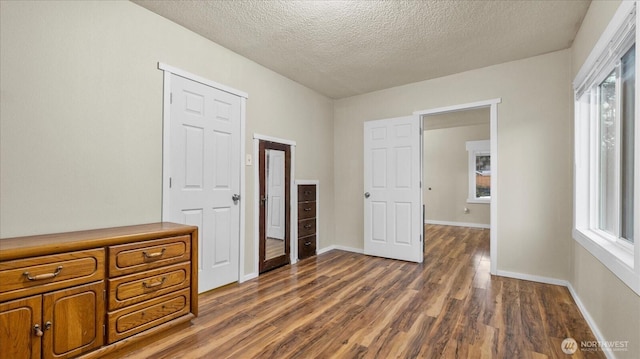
<point x="137" y="318"/>
<point x="306" y="210"/>
<point x="306" y="247"/>
<point x="141" y="256"/>
<point x="306" y="193"/>
<point x="136" y="288"/>
<point x="306" y="227"/>
<point x="22" y="277"/>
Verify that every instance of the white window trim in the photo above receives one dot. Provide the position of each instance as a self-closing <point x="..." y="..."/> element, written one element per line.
<point x="623" y="259"/>
<point x="476" y="148"/>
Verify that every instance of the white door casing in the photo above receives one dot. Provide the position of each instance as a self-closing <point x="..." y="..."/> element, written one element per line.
<point x="205" y="175"/>
<point x="393" y="196"/>
<point x="275" y="194"/>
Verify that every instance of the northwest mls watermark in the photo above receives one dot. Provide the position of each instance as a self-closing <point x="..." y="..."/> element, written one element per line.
<point x="570" y="345"/>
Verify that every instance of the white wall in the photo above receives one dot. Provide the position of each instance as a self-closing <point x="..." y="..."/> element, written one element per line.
<point x="81" y="115"/>
<point x="613" y="307"/>
<point x="446" y="174"/>
<point x="534" y="148"/>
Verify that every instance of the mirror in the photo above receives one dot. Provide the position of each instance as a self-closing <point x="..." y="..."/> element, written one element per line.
<point x="274" y="203"/>
<point x="274" y="169"/>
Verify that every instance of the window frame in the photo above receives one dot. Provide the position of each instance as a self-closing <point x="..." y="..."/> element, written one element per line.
<point x="618" y="255"/>
<point x="475" y="149"/>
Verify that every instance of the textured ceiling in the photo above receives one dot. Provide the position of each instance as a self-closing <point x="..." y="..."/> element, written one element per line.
<point x="345" y="48"/>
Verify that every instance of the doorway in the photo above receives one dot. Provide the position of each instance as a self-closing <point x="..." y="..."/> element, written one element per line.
<point x="492" y="105"/>
<point x="274" y="170"/>
<point x="457" y="168"/>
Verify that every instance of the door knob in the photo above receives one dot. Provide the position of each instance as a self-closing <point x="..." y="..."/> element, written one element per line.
<point x="367" y="195"/>
<point x="235" y="198"/>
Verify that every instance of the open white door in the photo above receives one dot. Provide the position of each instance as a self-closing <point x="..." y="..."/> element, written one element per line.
<point x="275" y="194"/>
<point x="205" y="175"/>
<point x="392" y="199"/>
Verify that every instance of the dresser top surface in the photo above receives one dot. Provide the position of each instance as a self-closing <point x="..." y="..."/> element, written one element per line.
<point x="21" y="247"/>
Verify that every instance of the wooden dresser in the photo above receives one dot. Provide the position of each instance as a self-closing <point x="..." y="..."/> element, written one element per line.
<point x="93" y="292"/>
<point x="307" y="211"/>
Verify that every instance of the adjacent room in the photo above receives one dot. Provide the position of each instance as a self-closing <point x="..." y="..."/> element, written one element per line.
<point x="319" y="179"/>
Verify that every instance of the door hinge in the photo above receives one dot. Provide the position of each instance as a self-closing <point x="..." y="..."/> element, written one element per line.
<point x="169" y="182"/>
<point x="171" y="97"/>
<point x="104" y="330"/>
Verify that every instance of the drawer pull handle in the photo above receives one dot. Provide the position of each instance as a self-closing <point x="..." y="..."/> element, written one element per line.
<point x="307" y="209"/>
<point x="307" y="192"/>
<point x="154" y="255"/>
<point x="157" y="284"/>
<point x="307" y="243"/>
<point x="307" y="226"/>
<point x="37" y="331"/>
<point x="43" y="276"/>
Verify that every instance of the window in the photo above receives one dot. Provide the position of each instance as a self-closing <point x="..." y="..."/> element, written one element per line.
<point x="606" y="154"/>
<point x="479" y="171"/>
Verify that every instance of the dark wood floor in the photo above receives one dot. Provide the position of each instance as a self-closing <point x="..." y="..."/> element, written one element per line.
<point x="346" y="305"/>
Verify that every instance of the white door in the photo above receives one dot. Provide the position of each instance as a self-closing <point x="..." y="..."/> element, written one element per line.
<point x="275" y="194"/>
<point x="393" y="197"/>
<point x="205" y="175"/>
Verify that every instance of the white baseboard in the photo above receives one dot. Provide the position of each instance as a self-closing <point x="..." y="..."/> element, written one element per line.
<point x="592" y="323"/>
<point x="249" y="276"/>
<point x="534" y="278"/>
<point x="342" y="248"/>
<point x="458" y="224"/>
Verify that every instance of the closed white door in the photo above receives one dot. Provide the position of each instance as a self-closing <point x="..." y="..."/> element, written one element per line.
<point x="205" y="175"/>
<point x="275" y="194"/>
<point x="393" y="195"/>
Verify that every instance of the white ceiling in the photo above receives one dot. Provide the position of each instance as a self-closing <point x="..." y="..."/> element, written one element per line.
<point x="345" y="48"/>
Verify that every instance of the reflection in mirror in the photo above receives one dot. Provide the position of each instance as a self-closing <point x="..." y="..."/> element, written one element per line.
<point x="275" y="203"/>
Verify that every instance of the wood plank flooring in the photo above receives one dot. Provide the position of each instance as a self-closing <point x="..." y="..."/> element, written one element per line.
<point x="346" y="305"/>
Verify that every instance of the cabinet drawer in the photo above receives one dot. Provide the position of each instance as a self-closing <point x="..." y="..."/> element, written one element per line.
<point x="306" y="247"/>
<point x="306" y="192"/>
<point x="136" y="288"/>
<point x="22" y="277"/>
<point x="306" y="210"/>
<point x="306" y="227"/>
<point x="141" y="256"/>
<point x="139" y="317"/>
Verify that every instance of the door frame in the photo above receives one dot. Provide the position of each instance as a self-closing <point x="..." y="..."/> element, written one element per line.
<point x="166" y="146"/>
<point x="293" y="246"/>
<point x="492" y="104"/>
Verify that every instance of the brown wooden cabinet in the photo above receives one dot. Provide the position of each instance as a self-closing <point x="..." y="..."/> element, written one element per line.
<point x="307" y="218"/>
<point x="18" y="321"/>
<point x="90" y="293"/>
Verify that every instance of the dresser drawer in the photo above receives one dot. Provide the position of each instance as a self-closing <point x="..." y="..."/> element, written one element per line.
<point x="306" y="247"/>
<point x="306" y="192"/>
<point x="139" y="317"/>
<point x="141" y="256"/>
<point x="306" y="227"/>
<point x="136" y="288"/>
<point x="23" y="277"/>
<point x="306" y="210"/>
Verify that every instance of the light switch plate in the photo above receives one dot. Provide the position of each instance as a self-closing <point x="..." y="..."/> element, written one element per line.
<point x="249" y="160"/>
